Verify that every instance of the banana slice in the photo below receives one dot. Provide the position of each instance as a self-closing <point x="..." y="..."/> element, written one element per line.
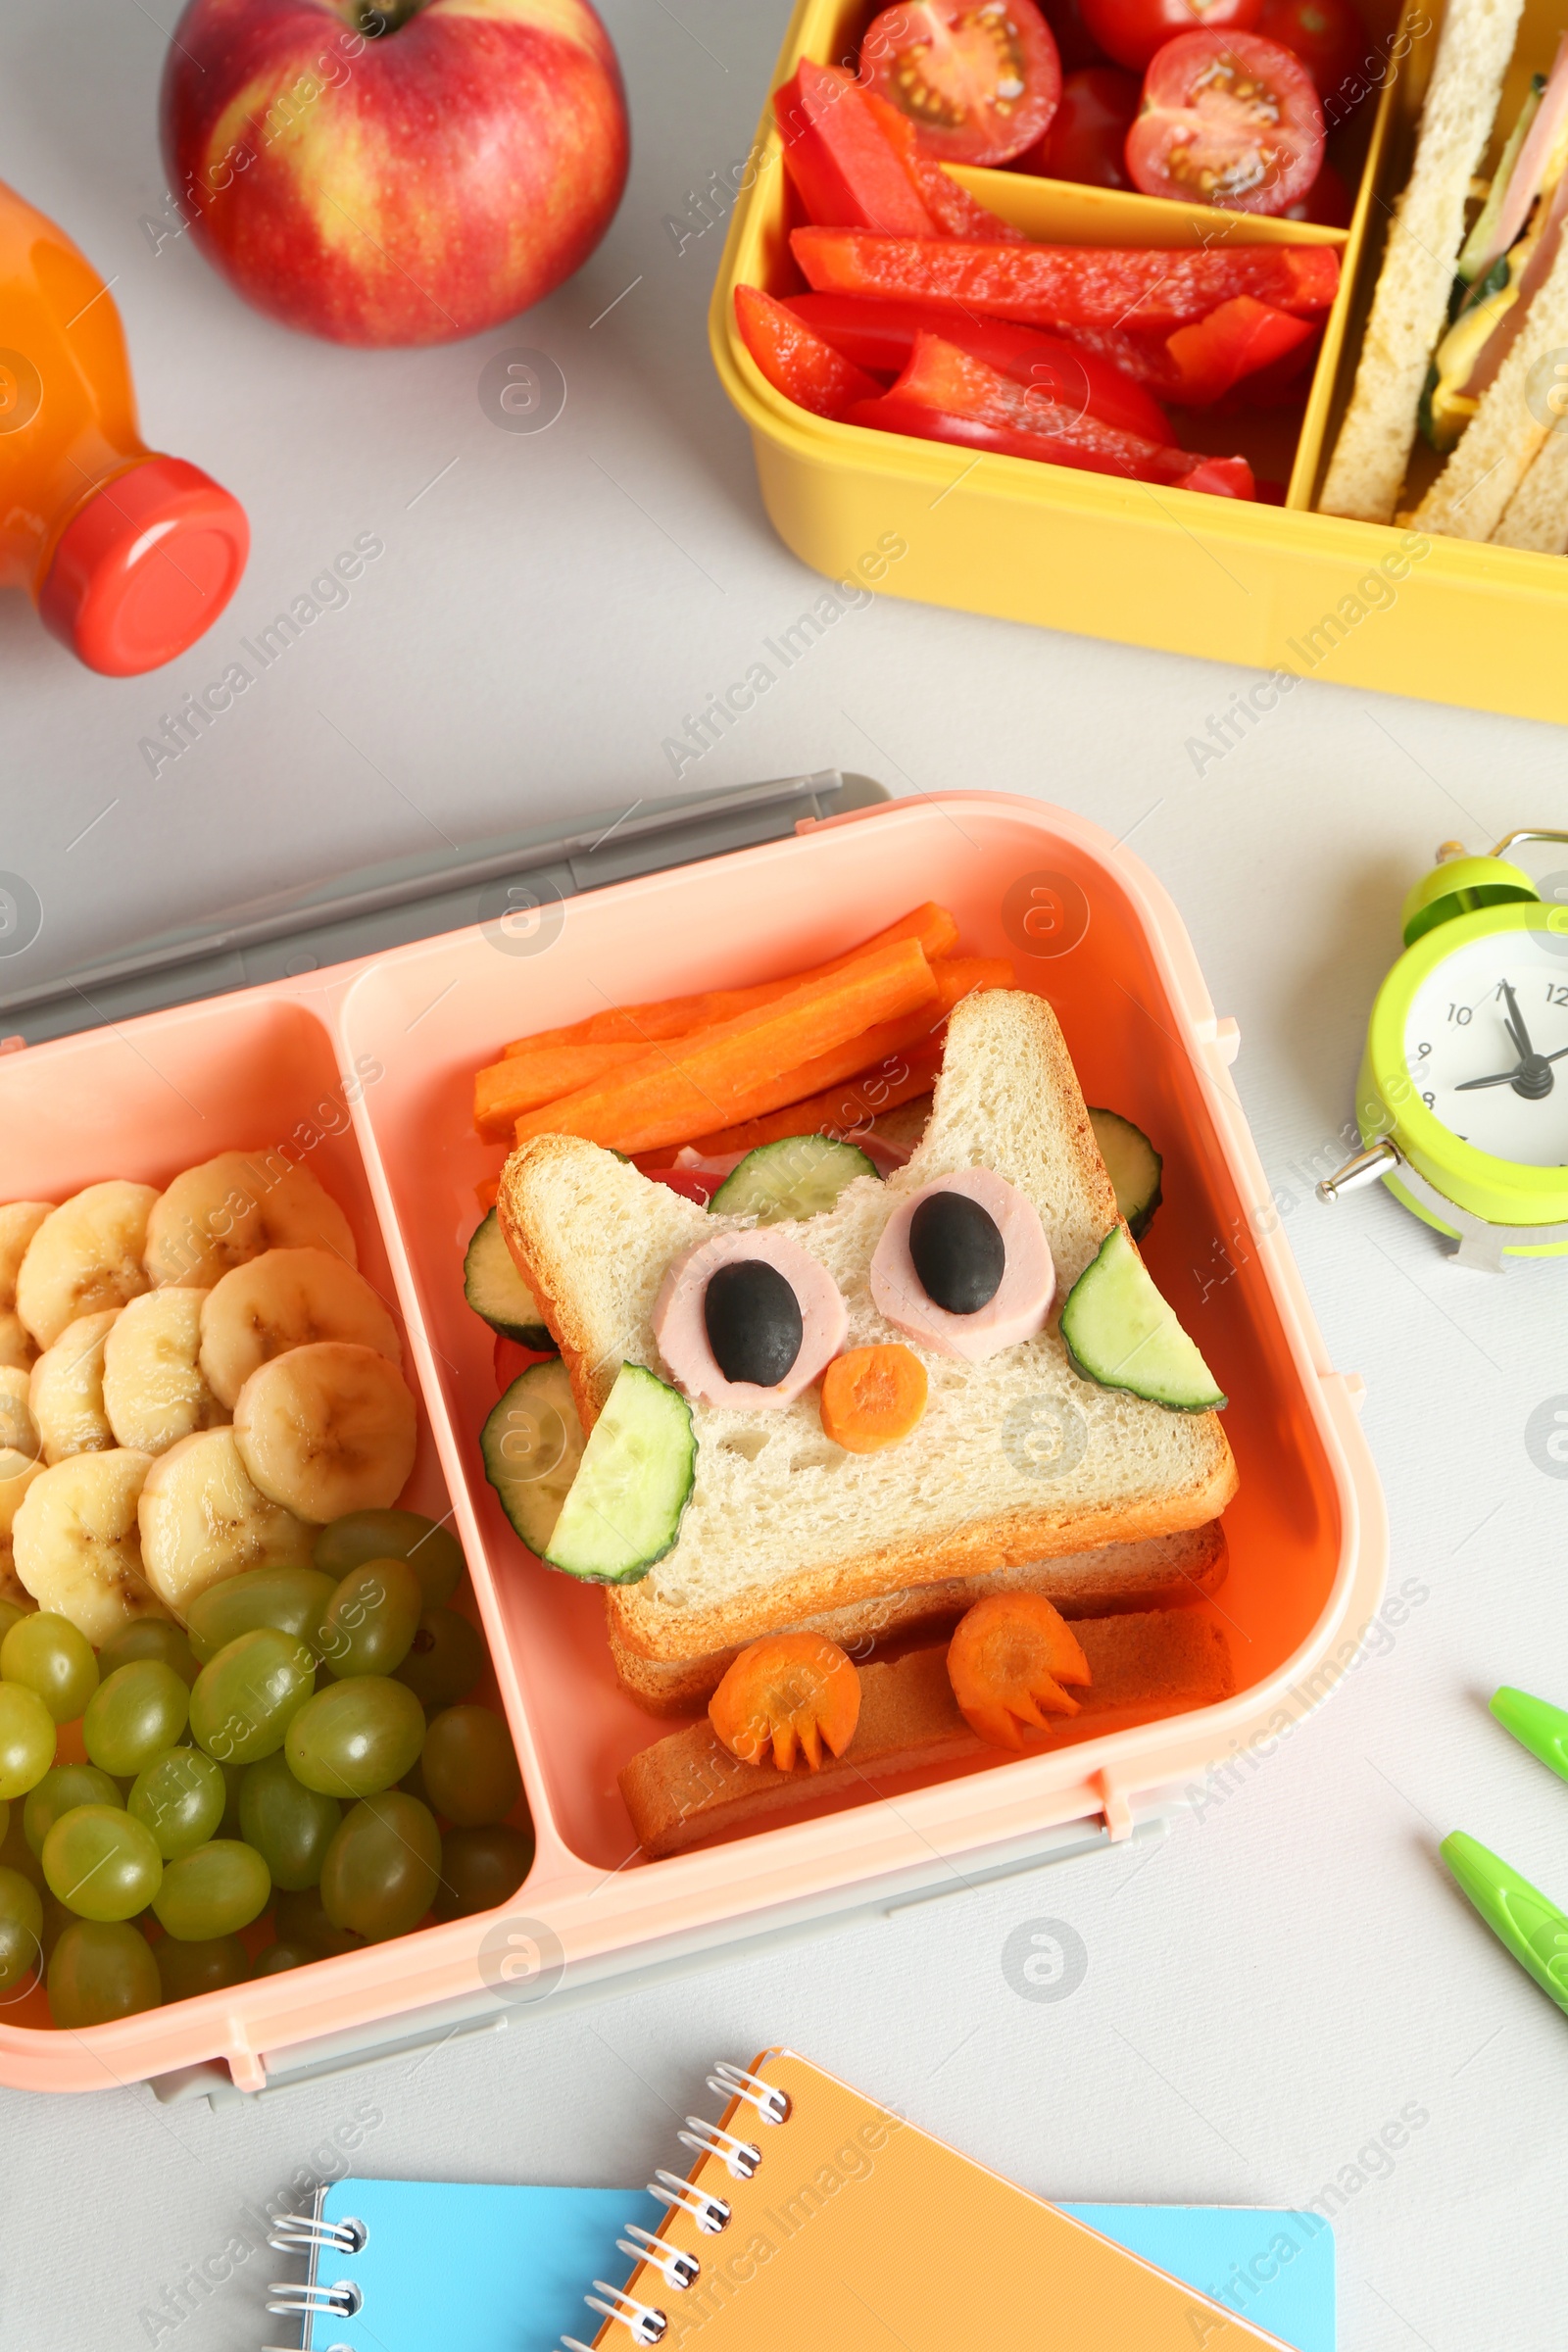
<point x="232" y="1208"/>
<point x="67" y="1392"/>
<point x="20" y="1220"/>
<point x="287" y="1298"/>
<point x="85" y="1255"/>
<point x="21" y="1452"/>
<point x="17" y="1351"/>
<point x="327" y="1429"/>
<point x="202" y="1520"/>
<point x="155" y="1392"/>
<point x="76" y="1545"/>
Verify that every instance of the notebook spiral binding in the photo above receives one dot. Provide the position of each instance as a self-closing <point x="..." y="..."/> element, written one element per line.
<point x="308" y="2233"/>
<point x="645" y="2323"/>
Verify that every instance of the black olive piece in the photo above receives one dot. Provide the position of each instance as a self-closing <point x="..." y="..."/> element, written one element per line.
<point x="958" y="1252"/>
<point x="754" y="1321"/>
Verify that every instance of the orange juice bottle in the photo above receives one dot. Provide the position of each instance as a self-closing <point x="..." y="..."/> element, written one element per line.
<point x="128" y="555"/>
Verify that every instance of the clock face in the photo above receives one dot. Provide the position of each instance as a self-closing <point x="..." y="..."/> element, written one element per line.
<point x="1463" y="1027"/>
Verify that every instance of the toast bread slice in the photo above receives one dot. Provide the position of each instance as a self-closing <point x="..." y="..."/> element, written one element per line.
<point x="687" y="1789"/>
<point x="783" y="1525"/>
<point x="1410" y="305"/>
<point x="1537" y="514"/>
<point x="1162" y="1572"/>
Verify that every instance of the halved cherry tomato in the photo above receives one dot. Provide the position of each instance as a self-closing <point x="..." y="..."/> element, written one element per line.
<point x="1008" y="1663"/>
<point x="980" y="78"/>
<point x="1131" y="30"/>
<point x="1227" y="118"/>
<point x="1088" y="136"/>
<point x="692" y="1184"/>
<point x="1327" y="36"/>
<point x="790" y="1693"/>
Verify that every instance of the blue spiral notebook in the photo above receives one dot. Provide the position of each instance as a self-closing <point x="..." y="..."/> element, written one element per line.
<point x="504" y="2270"/>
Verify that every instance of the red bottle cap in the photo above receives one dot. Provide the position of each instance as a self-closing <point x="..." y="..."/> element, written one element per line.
<point x="146" y="567"/>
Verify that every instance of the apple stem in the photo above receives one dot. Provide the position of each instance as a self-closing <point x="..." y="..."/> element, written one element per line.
<point x="374" y="22"/>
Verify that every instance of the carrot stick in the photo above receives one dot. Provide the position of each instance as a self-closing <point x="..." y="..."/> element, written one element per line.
<point x="678" y="1017"/>
<point x="842" y="1110"/>
<point x="956" y="976"/>
<point x="503" y="1090"/>
<point x="713" y="1076"/>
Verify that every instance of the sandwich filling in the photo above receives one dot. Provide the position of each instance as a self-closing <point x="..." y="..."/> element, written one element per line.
<point x="1506" y="256"/>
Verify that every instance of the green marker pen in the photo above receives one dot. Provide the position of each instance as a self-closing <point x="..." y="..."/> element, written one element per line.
<point x="1521" y="1918"/>
<point x="1537" y="1725"/>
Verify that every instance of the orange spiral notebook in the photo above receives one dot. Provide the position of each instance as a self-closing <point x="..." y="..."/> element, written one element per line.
<point x="812" y="2216"/>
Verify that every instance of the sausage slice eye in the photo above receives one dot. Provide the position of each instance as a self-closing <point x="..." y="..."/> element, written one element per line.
<point x="964" y="1267"/>
<point x="749" y="1319"/>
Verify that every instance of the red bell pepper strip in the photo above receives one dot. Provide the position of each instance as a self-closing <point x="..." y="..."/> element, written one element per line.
<point x="955" y="211"/>
<point x="956" y="389"/>
<point x="843" y="167"/>
<point x="1227" y="478"/>
<point x="880" y="336"/>
<point x="1232" y="342"/>
<point x="1067" y="285"/>
<point x="796" y="361"/>
<point x="856" y="163"/>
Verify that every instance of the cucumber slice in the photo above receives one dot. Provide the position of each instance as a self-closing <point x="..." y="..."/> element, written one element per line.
<point x="531" y="1445"/>
<point x="799" y="1176"/>
<point x="627" y="1500"/>
<point x="1121" y="1333"/>
<point x="495" y="1289"/>
<point x="1132" y="1165"/>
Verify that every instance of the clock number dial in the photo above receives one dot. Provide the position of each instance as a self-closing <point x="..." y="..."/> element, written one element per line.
<point x="1485" y="1046"/>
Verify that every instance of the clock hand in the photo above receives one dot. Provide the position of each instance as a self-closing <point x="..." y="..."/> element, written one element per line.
<point x="1516" y="1026"/>
<point x="1506" y="1077"/>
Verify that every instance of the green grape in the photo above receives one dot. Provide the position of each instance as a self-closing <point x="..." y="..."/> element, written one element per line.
<point x="245" y="1697"/>
<point x="481" y="1867"/>
<point x="134" y="1716"/>
<point x="100" y="1972"/>
<point x="384" y="1867"/>
<point x="216" y="1890"/>
<point x="471" y="1767"/>
<point x="432" y="1552"/>
<point x="101" y="1864"/>
<point x="233" y="1782"/>
<point x="211" y="1966"/>
<point x="60" y="1790"/>
<point x="15" y="1851"/>
<point x="356" y="1737"/>
<point x="10" y="1611"/>
<point x="180" y="1797"/>
<point x="26" y="1740"/>
<point x="372" y="1619"/>
<point x="20" y="1929"/>
<point x="277" y="1958"/>
<point x="150" y="1638"/>
<point x="445" y="1659"/>
<point x="300" y="1920"/>
<point x="290" y="1826"/>
<point x="291" y="1600"/>
<point x="5" y="1818"/>
<point x="49" y="1656"/>
<point x="55" y="1920"/>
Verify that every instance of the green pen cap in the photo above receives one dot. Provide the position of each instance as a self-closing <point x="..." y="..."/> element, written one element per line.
<point x="1537" y="1725"/>
<point x="1518" y="1914"/>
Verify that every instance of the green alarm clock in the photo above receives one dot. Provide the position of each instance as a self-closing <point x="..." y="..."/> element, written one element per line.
<point x="1463" y="1101"/>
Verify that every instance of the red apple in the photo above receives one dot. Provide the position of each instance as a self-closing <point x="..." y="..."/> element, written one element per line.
<point x="401" y="175"/>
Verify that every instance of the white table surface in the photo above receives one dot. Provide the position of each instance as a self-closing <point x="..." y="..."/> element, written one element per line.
<point x="1287" y="1973"/>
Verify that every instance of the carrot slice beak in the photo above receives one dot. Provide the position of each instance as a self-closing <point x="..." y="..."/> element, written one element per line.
<point x="790" y="1693"/>
<point x="1008" y="1663"/>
